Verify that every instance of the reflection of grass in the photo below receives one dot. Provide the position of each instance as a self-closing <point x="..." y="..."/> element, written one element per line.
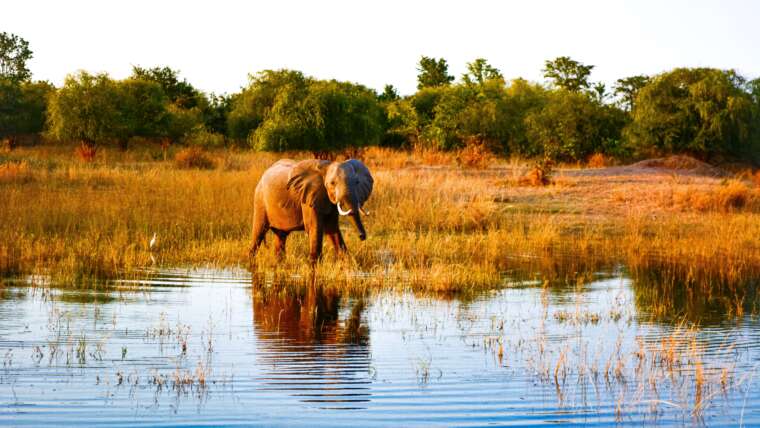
<point x="434" y="228"/>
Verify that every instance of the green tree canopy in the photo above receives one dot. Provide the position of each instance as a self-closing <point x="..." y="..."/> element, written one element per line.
<point x="142" y="111"/>
<point x="480" y="71"/>
<point x="14" y="54"/>
<point x="326" y="116"/>
<point x="22" y="107"/>
<point x="705" y="112"/>
<point x="219" y="108"/>
<point x="471" y="113"/>
<point x="251" y="106"/>
<point x="568" y="74"/>
<point x="86" y="109"/>
<point x="571" y="125"/>
<point x="433" y="72"/>
<point x="628" y="88"/>
<point x="401" y="124"/>
<point x="389" y="94"/>
<point x="179" y="92"/>
<point x="95" y="109"/>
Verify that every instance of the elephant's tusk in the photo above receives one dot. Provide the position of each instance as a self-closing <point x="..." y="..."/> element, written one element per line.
<point x="361" y="210"/>
<point x="341" y="212"/>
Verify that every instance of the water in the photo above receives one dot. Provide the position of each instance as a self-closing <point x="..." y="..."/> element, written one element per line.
<point x="207" y="348"/>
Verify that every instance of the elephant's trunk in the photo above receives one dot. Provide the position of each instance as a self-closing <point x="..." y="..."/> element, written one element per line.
<point x="356" y="217"/>
<point x="354" y="210"/>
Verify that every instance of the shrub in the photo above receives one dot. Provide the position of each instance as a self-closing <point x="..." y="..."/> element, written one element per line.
<point x="86" y="152"/>
<point x="193" y="158"/>
<point x="200" y="137"/>
<point x="598" y="160"/>
<point x="731" y="196"/>
<point x="475" y="155"/>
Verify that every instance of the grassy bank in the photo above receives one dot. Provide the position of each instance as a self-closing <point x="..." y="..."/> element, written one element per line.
<point x="434" y="226"/>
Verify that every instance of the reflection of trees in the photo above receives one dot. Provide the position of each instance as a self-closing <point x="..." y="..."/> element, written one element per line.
<point x="310" y="352"/>
<point x="664" y="290"/>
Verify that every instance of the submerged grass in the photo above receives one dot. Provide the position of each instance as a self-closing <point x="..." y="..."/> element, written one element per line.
<point x="434" y="226"/>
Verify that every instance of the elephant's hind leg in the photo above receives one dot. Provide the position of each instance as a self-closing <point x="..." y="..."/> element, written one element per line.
<point x="260" y="227"/>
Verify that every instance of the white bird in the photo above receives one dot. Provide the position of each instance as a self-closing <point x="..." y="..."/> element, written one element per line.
<point x="153" y="241"/>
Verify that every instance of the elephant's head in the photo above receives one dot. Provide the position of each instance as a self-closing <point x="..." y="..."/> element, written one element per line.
<point x="344" y="186"/>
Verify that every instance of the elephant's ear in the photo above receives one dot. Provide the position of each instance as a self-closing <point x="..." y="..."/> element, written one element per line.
<point x="363" y="187"/>
<point x="306" y="183"/>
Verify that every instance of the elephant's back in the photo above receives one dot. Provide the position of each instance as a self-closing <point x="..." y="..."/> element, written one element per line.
<point x="272" y="192"/>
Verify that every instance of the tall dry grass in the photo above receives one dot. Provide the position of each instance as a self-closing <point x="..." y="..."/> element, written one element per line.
<point x="433" y="227"/>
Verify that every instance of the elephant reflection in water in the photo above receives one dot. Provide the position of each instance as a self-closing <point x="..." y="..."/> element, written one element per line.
<point x="311" y="353"/>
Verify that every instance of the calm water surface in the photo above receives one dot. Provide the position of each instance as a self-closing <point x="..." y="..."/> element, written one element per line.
<point x="207" y="348"/>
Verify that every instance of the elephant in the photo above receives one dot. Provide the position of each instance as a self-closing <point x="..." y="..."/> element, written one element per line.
<point x="310" y="195"/>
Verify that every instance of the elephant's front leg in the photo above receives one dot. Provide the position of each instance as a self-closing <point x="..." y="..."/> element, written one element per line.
<point x="333" y="232"/>
<point x="338" y="243"/>
<point x="315" y="229"/>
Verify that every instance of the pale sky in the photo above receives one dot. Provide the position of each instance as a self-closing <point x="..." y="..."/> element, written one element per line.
<point x="215" y="44"/>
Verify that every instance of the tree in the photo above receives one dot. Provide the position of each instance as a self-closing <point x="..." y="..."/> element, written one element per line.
<point x="86" y="110"/>
<point x="522" y="97"/>
<point x="568" y="74"/>
<point x="179" y="92"/>
<point x="14" y="53"/>
<point x="142" y="109"/>
<point x="389" y="94"/>
<point x="433" y="73"/>
<point x="251" y="106"/>
<point x="424" y="103"/>
<point x="468" y="113"/>
<point x="400" y="125"/>
<point x="753" y="88"/>
<point x="219" y="108"/>
<point x="328" y="116"/>
<point x="598" y="92"/>
<point x="480" y="71"/>
<point x="22" y="108"/>
<point x="704" y="112"/>
<point x="571" y="126"/>
<point x="628" y="88"/>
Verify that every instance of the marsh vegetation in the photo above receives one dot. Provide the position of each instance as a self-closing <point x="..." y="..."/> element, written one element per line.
<point x="434" y="226"/>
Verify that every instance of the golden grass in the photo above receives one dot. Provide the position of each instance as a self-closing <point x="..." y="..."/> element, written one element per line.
<point x="435" y="227"/>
